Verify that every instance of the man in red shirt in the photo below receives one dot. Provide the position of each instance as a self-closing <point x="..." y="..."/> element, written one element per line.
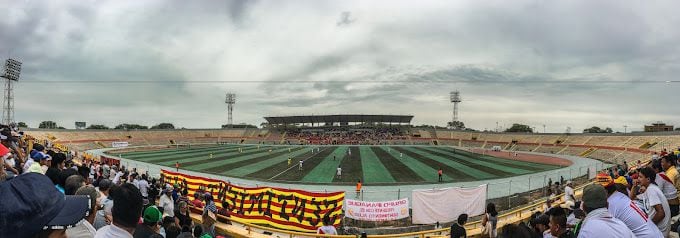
<point x="440" y="174"/>
<point x="177" y="166"/>
<point x="197" y="200"/>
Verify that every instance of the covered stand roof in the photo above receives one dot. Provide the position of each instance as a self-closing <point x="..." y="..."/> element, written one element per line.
<point x="339" y="119"/>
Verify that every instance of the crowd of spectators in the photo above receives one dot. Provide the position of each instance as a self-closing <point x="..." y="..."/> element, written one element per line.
<point x="623" y="201"/>
<point x="45" y="193"/>
<point x="345" y="135"/>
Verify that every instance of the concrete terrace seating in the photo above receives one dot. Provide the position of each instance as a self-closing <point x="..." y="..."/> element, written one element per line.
<point x="575" y="151"/>
<point x="549" y="148"/>
<point x="524" y="147"/>
<point x="606" y="155"/>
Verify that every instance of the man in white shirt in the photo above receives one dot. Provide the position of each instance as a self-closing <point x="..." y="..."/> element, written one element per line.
<point x="166" y="203"/>
<point x="653" y="200"/>
<point x="339" y="173"/>
<point x="327" y="227"/>
<point x="143" y="185"/>
<point x="116" y="179"/>
<point x="127" y="210"/>
<point x="569" y="193"/>
<point x="84" y="228"/>
<point x="598" y="222"/>
<point x="665" y="183"/>
<point x="622" y="208"/>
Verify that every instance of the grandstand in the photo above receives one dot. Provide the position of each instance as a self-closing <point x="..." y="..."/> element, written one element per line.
<point x="372" y="136"/>
<point x="372" y="130"/>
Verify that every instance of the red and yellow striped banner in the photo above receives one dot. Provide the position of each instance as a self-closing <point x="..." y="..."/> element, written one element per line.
<point x="289" y="209"/>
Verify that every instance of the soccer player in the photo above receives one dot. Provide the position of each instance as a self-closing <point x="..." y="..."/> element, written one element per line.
<point x="289" y="161"/>
<point x="439" y="172"/>
<point x="300" y="165"/>
<point x="339" y="173"/>
<point x="333" y="157"/>
<point x="211" y="155"/>
<point x="401" y="155"/>
<point x="177" y="166"/>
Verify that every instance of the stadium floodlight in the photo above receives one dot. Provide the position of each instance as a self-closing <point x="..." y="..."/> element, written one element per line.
<point x="11" y="72"/>
<point x="12" y="69"/>
<point x="230" y="101"/>
<point x="455" y="99"/>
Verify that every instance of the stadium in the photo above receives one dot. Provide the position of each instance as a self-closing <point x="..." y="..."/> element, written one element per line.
<point x="391" y="161"/>
<point x="355" y="119"/>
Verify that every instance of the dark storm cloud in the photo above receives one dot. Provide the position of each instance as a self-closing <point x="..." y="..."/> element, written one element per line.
<point x="345" y="19"/>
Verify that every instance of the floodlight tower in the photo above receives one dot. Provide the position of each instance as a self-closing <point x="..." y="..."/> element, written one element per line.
<point x="11" y="73"/>
<point x="455" y="99"/>
<point x="230" y="101"/>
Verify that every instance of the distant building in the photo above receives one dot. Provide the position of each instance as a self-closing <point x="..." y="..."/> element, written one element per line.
<point x="658" y="126"/>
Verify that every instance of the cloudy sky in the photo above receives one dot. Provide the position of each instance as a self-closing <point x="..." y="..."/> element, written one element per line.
<point x="555" y="63"/>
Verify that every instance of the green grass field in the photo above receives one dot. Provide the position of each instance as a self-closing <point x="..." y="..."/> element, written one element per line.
<point x="371" y="164"/>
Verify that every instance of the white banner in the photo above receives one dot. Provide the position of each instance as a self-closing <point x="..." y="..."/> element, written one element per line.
<point x="376" y="211"/>
<point x="444" y="205"/>
<point x="592" y="172"/>
<point x="118" y="144"/>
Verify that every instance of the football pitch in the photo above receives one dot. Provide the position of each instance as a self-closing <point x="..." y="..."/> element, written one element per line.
<point x="379" y="165"/>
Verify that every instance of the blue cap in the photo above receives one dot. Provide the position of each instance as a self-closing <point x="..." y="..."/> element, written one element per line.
<point x="31" y="203"/>
<point x="40" y="156"/>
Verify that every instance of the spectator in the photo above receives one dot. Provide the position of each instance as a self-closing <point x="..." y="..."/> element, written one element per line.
<point x="541" y="225"/>
<point x="621" y="207"/>
<point x="165" y="225"/>
<point x="516" y="231"/>
<point x="327" y="227"/>
<point x="73" y="183"/>
<point x="40" y="159"/>
<point x="198" y="231"/>
<point x="182" y="217"/>
<point x="150" y="223"/>
<point x="580" y="215"/>
<point x="154" y="191"/>
<point x="143" y="185"/>
<point x="104" y="216"/>
<point x="184" y="196"/>
<point x="172" y="231"/>
<point x="668" y="164"/>
<point x="8" y="162"/>
<point x="126" y="212"/>
<point x="65" y="174"/>
<point x="489" y="221"/>
<point x="208" y="215"/>
<point x="166" y="203"/>
<point x="569" y="193"/>
<point x="197" y="200"/>
<point x="653" y="200"/>
<point x="85" y="227"/>
<point x="667" y="188"/>
<point x="117" y="177"/>
<point x="225" y="211"/>
<point x="458" y="228"/>
<point x="37" y="148"/>
<point x="106" y="170"/>
<point x="32" y="207"/>
<point x="186" y="233"/>
<point x="175" y="192"/>
<point x="598" y="222"/>
<point x="558" y="224"/>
